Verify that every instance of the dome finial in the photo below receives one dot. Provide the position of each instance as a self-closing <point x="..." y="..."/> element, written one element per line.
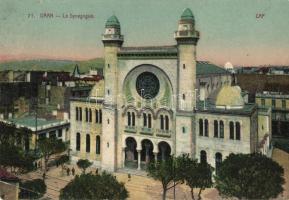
<point x="187" y="15"/>
<point x="112" y="22"/>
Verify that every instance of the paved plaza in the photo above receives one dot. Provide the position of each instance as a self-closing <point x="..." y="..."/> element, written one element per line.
<point x="142" y="187"/>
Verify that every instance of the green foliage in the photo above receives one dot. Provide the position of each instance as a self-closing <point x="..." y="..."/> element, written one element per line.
<point x="168" y="172"/>
<point x="281" y="143"/>
<point x="199" y="176"/>
<point x="89" y="186"/>
<point x="83" y="164"/>
<point x="250" y="176"/>
<point x="13" y="157"/>
<point x="50" y="146"/>
<point x="62" y="160"/>
<point x="9" y="134"/>
<point x="33" y="189"/>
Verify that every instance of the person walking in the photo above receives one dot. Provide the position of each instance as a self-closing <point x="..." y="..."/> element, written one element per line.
<point x="68" y="171"/>
<point x="73" y="171"/>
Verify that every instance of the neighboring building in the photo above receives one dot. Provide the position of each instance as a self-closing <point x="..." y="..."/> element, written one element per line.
<point x="279" y="103"/>
<point x="42" y="127"/>
<point x="159" y="101"/>
<point x="86" y="117"/>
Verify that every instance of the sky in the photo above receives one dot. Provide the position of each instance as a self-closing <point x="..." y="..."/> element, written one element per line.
<point x="243" y="32"/>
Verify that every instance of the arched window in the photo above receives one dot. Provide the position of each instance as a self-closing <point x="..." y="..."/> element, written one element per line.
<point x="201" y="127"/>
<point x="144" y="119"/>
<point x="184" y="129"/>
<point x="86" y="114"/>
<point x="87" y="143"/>
<point x="128" y="119"/>
<point x="203" y="156"/>
<point x="76" y="113"/>
<point x="232" y="130"/>
<point x="216" y="128"/>
<point x="206" y="128"/>
<point x="77" y="141"/>
<point x="133" y="118"/>
<point x="149" y="120"/>
<point x="96" y="116"/>
<point x="80" y="114"/>
<point x="90" y="115"/>
<point x="238" y="131"/>
<point x="100" y="116"/>
<point x="167" y="122"/>
<point x="97" y="145"/>
<point x="162" y="122"/>
<point x="218" y="161"/>
<point x="221" y="129"/>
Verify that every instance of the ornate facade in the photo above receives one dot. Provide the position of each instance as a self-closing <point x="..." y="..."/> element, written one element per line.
<point x="160" y="101"/>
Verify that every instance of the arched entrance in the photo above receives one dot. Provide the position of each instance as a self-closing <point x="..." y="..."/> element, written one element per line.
<point x="164" y="151"/>
<point x="146" y="152"/>
<point x="131" y="153"/>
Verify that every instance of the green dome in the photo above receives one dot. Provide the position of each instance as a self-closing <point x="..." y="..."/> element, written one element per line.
<point x="112" y="22"/>
<point x="187" y="15"/>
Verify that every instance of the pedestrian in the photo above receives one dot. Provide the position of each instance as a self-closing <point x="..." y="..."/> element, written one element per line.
<point x="73" y="171"/>
<point x="129" y="177"/>
<point x="68" y="171"/>
<point x="96" y="171"/>
<point x="39" y="164"/>
<point x="43" y="176"/>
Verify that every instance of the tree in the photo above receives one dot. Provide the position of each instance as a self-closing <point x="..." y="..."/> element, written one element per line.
<point x="89" y="186"/>
<point x="83" y="164"/>
<point x="167" y="172"/>
<point x="62" y="160"/>
<point x="33" y="189"/>
<point x="13" y="157"/>
<point x="250" y="176"/>
<point x="50" y="146"/>
<point x="199" y="175"/>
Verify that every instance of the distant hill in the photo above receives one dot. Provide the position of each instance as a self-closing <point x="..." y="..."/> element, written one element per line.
<point x="52" y="65"/>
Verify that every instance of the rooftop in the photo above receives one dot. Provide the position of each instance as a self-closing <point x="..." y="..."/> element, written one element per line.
<point x="247" y="109"/>
<point x="149" y="49"/>
<point x="204" y="68"/>
<point x="30" y="122"/>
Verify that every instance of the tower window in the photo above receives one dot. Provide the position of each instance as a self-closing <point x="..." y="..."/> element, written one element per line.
<point x="200" y="127"/>
<point x="87" y="143"/>
<point x="167" y="122"/>
<point x="216" y="128"/>
<point x="206" y="128"/>
<point x="108" y="65"/>
<point x="107" y="121"/>
<point x="108" y="92"/>
<point x="77" y="141"/>
<point x="184" y="66"/>
<point x="184" y="129"/>
<point x="231" y="130"/>
<point x="184" y="96"/>
<point x="162" y="122"/>
<point x="238" y="131"/>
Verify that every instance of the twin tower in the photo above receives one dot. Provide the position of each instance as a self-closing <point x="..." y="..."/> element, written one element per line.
<point x="187" y="38"/>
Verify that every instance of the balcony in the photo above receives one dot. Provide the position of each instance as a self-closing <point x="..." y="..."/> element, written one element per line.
<point x="130" y="129"/>
<point x="164" y="133"/>
<point x="146" y="131"/>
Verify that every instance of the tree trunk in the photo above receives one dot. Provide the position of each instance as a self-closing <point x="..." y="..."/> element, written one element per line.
<point x="199" y="194"/>
<point x="164" y="193"/>
<point x="192" y="193"/>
